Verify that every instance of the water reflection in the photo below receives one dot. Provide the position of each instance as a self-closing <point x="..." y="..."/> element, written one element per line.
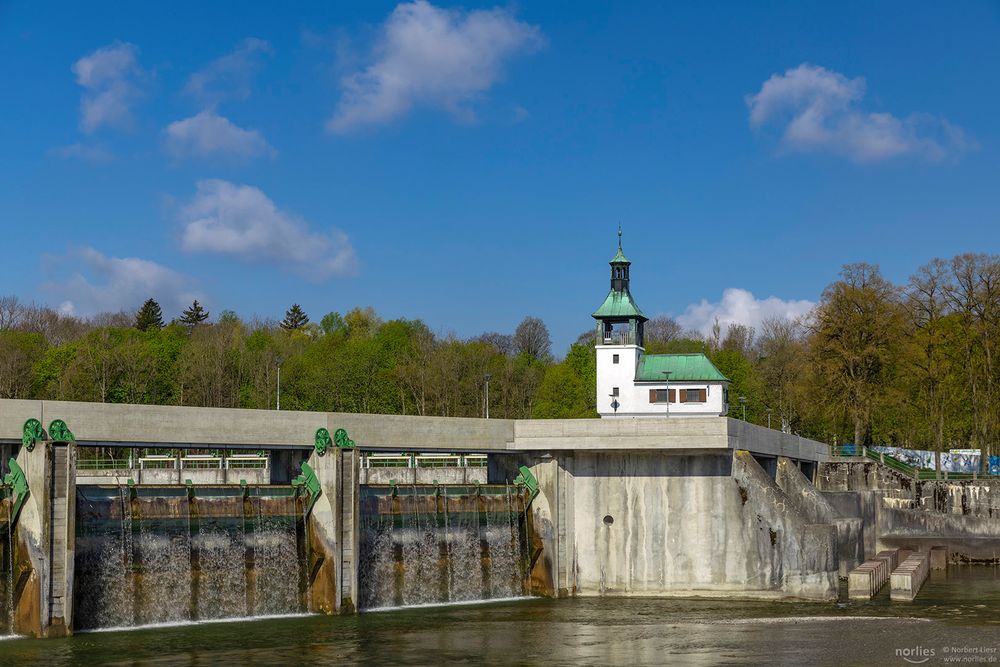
<point x="958" y="608"/>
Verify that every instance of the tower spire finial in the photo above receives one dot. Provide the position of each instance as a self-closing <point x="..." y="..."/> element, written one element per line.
<point x="619" y="236"/>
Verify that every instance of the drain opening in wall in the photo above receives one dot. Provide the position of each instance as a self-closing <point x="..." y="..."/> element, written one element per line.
<point x="608" y="519"/>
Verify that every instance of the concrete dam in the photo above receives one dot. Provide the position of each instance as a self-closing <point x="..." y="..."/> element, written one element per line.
<point x="129" y="515"/>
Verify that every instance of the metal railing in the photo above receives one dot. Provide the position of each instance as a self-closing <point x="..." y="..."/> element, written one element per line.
<point x="618" y="338"/>
<point x="425" y="460"/>
<point x="899" y="466"/>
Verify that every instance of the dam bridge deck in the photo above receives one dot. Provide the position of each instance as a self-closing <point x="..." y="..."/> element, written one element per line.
<point x="176" y="427"/>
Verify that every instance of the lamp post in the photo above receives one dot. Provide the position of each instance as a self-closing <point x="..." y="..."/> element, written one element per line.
<point x="279" y="388"/>
<point x="769" y="417"/>
<point x="487" y="377"/>
<point x="666" y="378"/>
<point x="743" y="402"/>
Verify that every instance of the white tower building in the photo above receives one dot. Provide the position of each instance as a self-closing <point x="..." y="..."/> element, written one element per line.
<point x="631" y="383"/>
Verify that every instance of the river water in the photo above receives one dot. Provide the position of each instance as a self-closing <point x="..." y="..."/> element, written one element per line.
<point x="957" y="615"/>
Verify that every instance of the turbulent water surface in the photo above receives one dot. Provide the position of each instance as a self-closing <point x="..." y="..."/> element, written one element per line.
<point x="958" y="612"/>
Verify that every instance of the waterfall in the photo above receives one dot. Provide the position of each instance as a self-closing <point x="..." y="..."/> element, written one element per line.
<point x="220" y="541"/>
<point x="161" y="558"/>
<point x="104" y="582"/>
<point x="276" y="589"/>
<point x="428" y="545"/>
<point x="171" y="555"/>
<point x="6" y="565"/>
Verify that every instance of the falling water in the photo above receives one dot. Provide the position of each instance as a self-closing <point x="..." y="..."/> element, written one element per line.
<point x="6" y="565"/>
<point x="159" y="555"/>
<point x="162" y="559"/>
<point x="104" y="582"/>
<point x="220" y="540"/>
<point x="427" y="546"/>
<point x="276" y="590"/>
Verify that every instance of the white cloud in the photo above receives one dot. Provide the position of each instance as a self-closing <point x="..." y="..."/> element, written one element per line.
<point x="209" y="134"/>
<point x="819" y="110"/>
<point x="84" y="152"/>
<point x="739" y="306"/>
<point x="427" y="56"/>
<point x="231" y="76"/>
<point x="242" y="221"/>
<point x="103" y="283"/>
<point x="109" y="77"/>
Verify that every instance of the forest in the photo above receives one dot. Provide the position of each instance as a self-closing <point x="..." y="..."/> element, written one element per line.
<point x="914" y="365"/>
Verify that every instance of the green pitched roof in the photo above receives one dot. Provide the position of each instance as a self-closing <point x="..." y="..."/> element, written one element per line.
<point x="619" y="304"/>
<point x="682" y="367"/>
<point x="620" y="257"/>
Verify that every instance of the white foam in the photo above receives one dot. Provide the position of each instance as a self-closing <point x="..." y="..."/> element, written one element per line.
<point x="462" y="603"/>
<point x="181" y="624"/>
<point x="810" y="619"/>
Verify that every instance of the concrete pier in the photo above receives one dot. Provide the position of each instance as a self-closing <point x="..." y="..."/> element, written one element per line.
<point x="909" y="577"/>
<point x="866" y="580"/>
<point x="938" y="558"/>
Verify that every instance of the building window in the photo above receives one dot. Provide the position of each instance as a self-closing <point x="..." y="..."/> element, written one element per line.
<point x="614" y="358"/>
<point x="694" y="395"/>
<point x="614" y="391"/>
<point x="662" y="396"/>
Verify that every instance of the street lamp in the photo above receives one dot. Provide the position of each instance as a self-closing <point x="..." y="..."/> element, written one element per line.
<point x="666" y="378"/>
<point x="743" y="402"/>
<point x="614" y="403"/>
<point x="279" y="387"/>
<point x="487" y="377"/>
<point x="769" y="417"/>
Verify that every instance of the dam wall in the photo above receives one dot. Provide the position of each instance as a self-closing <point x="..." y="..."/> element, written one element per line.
<point x="637" y="523"/>
<point x="900" y="511"/>
<point x="562" y="507"/>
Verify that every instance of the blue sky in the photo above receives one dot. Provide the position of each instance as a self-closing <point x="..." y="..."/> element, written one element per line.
<point x="468" y="164"/>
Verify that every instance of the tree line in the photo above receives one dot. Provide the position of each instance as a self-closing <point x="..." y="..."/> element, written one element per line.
<point x="914" y="364"/>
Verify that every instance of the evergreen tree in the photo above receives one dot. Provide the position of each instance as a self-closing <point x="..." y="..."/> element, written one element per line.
<point x="149" y="316"/>
<point x="194" y="314"/>
<point x="295" y="318"/>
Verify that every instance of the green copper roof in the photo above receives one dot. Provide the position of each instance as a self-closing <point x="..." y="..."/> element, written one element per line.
<point x="619" y="304"/>
<point x="620" y="257"/>
<point x="682" y="367"/>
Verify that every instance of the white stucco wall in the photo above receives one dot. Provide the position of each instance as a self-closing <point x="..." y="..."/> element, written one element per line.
<point x="633" y="397"/>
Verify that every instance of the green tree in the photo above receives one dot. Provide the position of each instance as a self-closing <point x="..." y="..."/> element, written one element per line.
<point x="295" y="318"/>
<point x="19" y="352"/>
<point x="568" y="388"/>
<point x="855" y="344"/>
<point x="194" y="314"/>
<point x="149" y="316"/>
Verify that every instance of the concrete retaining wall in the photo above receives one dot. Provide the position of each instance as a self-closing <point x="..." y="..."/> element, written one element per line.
<point x="813" y="505"/>
<point x="633" y="523"/>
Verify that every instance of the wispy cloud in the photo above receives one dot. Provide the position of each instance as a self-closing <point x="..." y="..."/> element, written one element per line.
<point x="94" y="154"/>
<point x="820" y="111"/>
<point x="231" y="76"/>
<point x="207" y="134"/>
<point x="110" y="79"/>
<point x="100" y="283"/>
<point x="739" y="306"/>
<point x="432" y="57"/>
<point x="241" y="221"/>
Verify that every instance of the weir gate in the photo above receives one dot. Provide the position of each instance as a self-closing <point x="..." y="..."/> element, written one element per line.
<point x="124" y="515"/>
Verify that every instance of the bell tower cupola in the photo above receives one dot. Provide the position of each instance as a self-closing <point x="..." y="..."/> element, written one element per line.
<point x="619" y="319"/>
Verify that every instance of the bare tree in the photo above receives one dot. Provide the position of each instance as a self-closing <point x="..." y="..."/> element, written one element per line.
<point x="532" y="338"/>
<point x="662" y="329"/>
<point x="11" y="312"/>
<point x="502" y="343"/>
